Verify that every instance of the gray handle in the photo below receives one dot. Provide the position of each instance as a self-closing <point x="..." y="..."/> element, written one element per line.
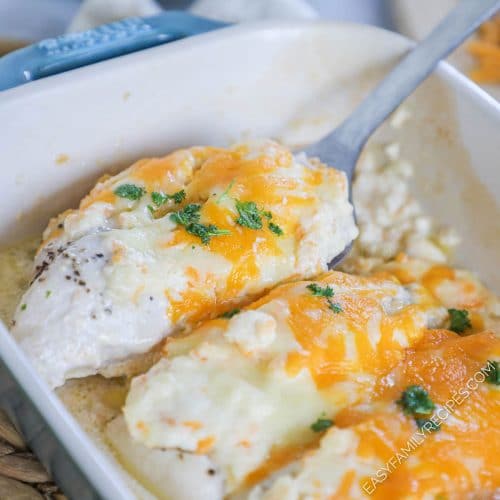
<point x="409" y="73"/>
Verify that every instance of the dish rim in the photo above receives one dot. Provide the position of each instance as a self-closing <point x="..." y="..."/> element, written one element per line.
<point x="90" y="461"/>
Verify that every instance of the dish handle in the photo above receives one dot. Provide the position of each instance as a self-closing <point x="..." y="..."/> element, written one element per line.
<point x="66" y="52"/>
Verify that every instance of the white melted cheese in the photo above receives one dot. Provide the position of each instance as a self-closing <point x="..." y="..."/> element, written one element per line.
<point x="320" y="473"/>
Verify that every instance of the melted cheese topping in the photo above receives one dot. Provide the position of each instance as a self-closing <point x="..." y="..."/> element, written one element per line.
<point x="112" y="280"/>
<point x="274" y="368"/>
<point x="376" y="451"/>
<point x="454" y="288"/>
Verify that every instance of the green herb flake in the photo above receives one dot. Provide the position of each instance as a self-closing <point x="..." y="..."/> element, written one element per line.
<point x="160" y="198"/>
<point x="275" y="229"/>
<point x="130" y="191"/>
<point x="48" y="293"/>
<point x="179" y="196"/>
<point x="225" y="193"/>
<point x="188" y="215"/>
<point x="459" y="320"/>
<point x="205" y="232"/>
<point x="230" y="314"/>
<point x="249" y="215"/>
<point x="415" y="400"/>
<point x="335" y="307"/>
<point x="317" y="291"/>
<point x="427" y="424"/>
<point x="321" y="425"/>
<point x="492" y="372"/>
<point x="23" y="307"/>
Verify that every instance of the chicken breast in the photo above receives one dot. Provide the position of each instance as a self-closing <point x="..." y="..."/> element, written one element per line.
<point x="381" y="450"/>
<point x="172" y="241"/>
<point x="245" y="390"/>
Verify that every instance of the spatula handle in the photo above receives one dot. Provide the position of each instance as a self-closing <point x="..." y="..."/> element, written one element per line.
<point x="56" y="55"/>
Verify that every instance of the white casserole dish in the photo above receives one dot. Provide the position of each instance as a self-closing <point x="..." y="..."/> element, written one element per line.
<point x="288" y="81"/>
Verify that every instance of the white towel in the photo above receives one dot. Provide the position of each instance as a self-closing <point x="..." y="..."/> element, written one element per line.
<point x="95" y="12"/>
<point x="252" y="10"/>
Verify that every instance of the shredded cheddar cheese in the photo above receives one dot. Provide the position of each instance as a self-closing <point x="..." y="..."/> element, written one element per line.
<point x="289" y="347"/>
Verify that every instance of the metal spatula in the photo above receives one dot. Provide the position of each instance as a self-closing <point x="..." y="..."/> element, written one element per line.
<point x="342" y="147"/>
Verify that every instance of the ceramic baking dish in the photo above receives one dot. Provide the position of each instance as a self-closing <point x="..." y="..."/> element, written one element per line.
<point x="288" y="81"/>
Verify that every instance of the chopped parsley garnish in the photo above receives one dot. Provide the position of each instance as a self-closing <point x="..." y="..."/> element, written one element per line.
<point x="335" y="307"/>
<point x="48" y="293"/>
<point x="322" y="424"/>
<point x="205" y="232"/>
<point x="23" y="307"/>
<point x="316" y="290"/>
<point x="130" y="191"/>
<point x="178" y="197"/>
<point x="415" y="400"/>
<point x="225" y="193"/>
<point x="427" y="424"/>
<point x="492" y="372"/>
<point x="159" y="198"/>
<point x="249" y="215"/>
<point x="230" y="314"/>
<point x="275" y="228"/>
<point x="189" y="217"/>
<point x="459" y="320"/>
<point x="326" y="292"/>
